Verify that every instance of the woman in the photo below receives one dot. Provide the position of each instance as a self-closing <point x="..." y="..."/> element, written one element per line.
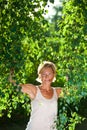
<point x="43" y="99"/>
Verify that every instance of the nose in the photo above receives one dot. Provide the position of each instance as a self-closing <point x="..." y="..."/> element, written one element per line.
<point x="46" y="75"/>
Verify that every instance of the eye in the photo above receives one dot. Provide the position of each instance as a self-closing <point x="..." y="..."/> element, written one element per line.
<point x="44" y="74"/>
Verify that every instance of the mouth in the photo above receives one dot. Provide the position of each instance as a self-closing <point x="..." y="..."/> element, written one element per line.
<point x="47" y="80"/>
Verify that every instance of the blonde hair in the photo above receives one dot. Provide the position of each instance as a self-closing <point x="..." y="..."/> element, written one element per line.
<point x="46" y="64"/>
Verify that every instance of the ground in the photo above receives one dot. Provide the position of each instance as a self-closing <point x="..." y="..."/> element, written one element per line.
<point x="21" y="125"/>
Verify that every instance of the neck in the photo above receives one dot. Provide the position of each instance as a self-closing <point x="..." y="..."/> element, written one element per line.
<point x="46" y="86"/>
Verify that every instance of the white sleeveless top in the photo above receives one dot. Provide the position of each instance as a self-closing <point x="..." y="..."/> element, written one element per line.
<point x="44" y="112"/>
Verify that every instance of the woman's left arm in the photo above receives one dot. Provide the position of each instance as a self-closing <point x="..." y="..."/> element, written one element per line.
<point x="59" y="91"/>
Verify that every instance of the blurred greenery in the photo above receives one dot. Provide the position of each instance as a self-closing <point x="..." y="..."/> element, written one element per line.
<point x="27" y="39"/>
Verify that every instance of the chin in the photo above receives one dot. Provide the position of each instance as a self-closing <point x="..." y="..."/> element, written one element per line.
<point x="47" y="82"/>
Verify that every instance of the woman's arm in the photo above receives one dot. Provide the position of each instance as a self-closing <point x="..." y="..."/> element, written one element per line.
<point x="28" y="89"/>
<point x="59" y="91"/>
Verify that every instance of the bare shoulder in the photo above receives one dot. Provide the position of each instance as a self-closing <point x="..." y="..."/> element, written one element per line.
<point x="58" y="91"/>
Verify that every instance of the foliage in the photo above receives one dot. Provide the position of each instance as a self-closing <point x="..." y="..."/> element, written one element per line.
<point x="19" y="19"/>
<point x="72" y="57"/>
<point x="27" y="39"/>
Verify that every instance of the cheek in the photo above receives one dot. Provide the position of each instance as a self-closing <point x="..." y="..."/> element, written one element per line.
<point x="51" y="78"/>
<point x="41" y="77"/>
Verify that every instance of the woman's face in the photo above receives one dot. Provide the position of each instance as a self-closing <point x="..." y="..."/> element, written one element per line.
<point x="47" y="75"/>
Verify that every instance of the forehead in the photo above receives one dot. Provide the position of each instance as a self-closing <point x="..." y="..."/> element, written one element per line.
<point x="46" y="69"/>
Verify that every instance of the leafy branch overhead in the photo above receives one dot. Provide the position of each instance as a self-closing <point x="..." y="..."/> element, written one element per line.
<point x="27" y="39"/>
